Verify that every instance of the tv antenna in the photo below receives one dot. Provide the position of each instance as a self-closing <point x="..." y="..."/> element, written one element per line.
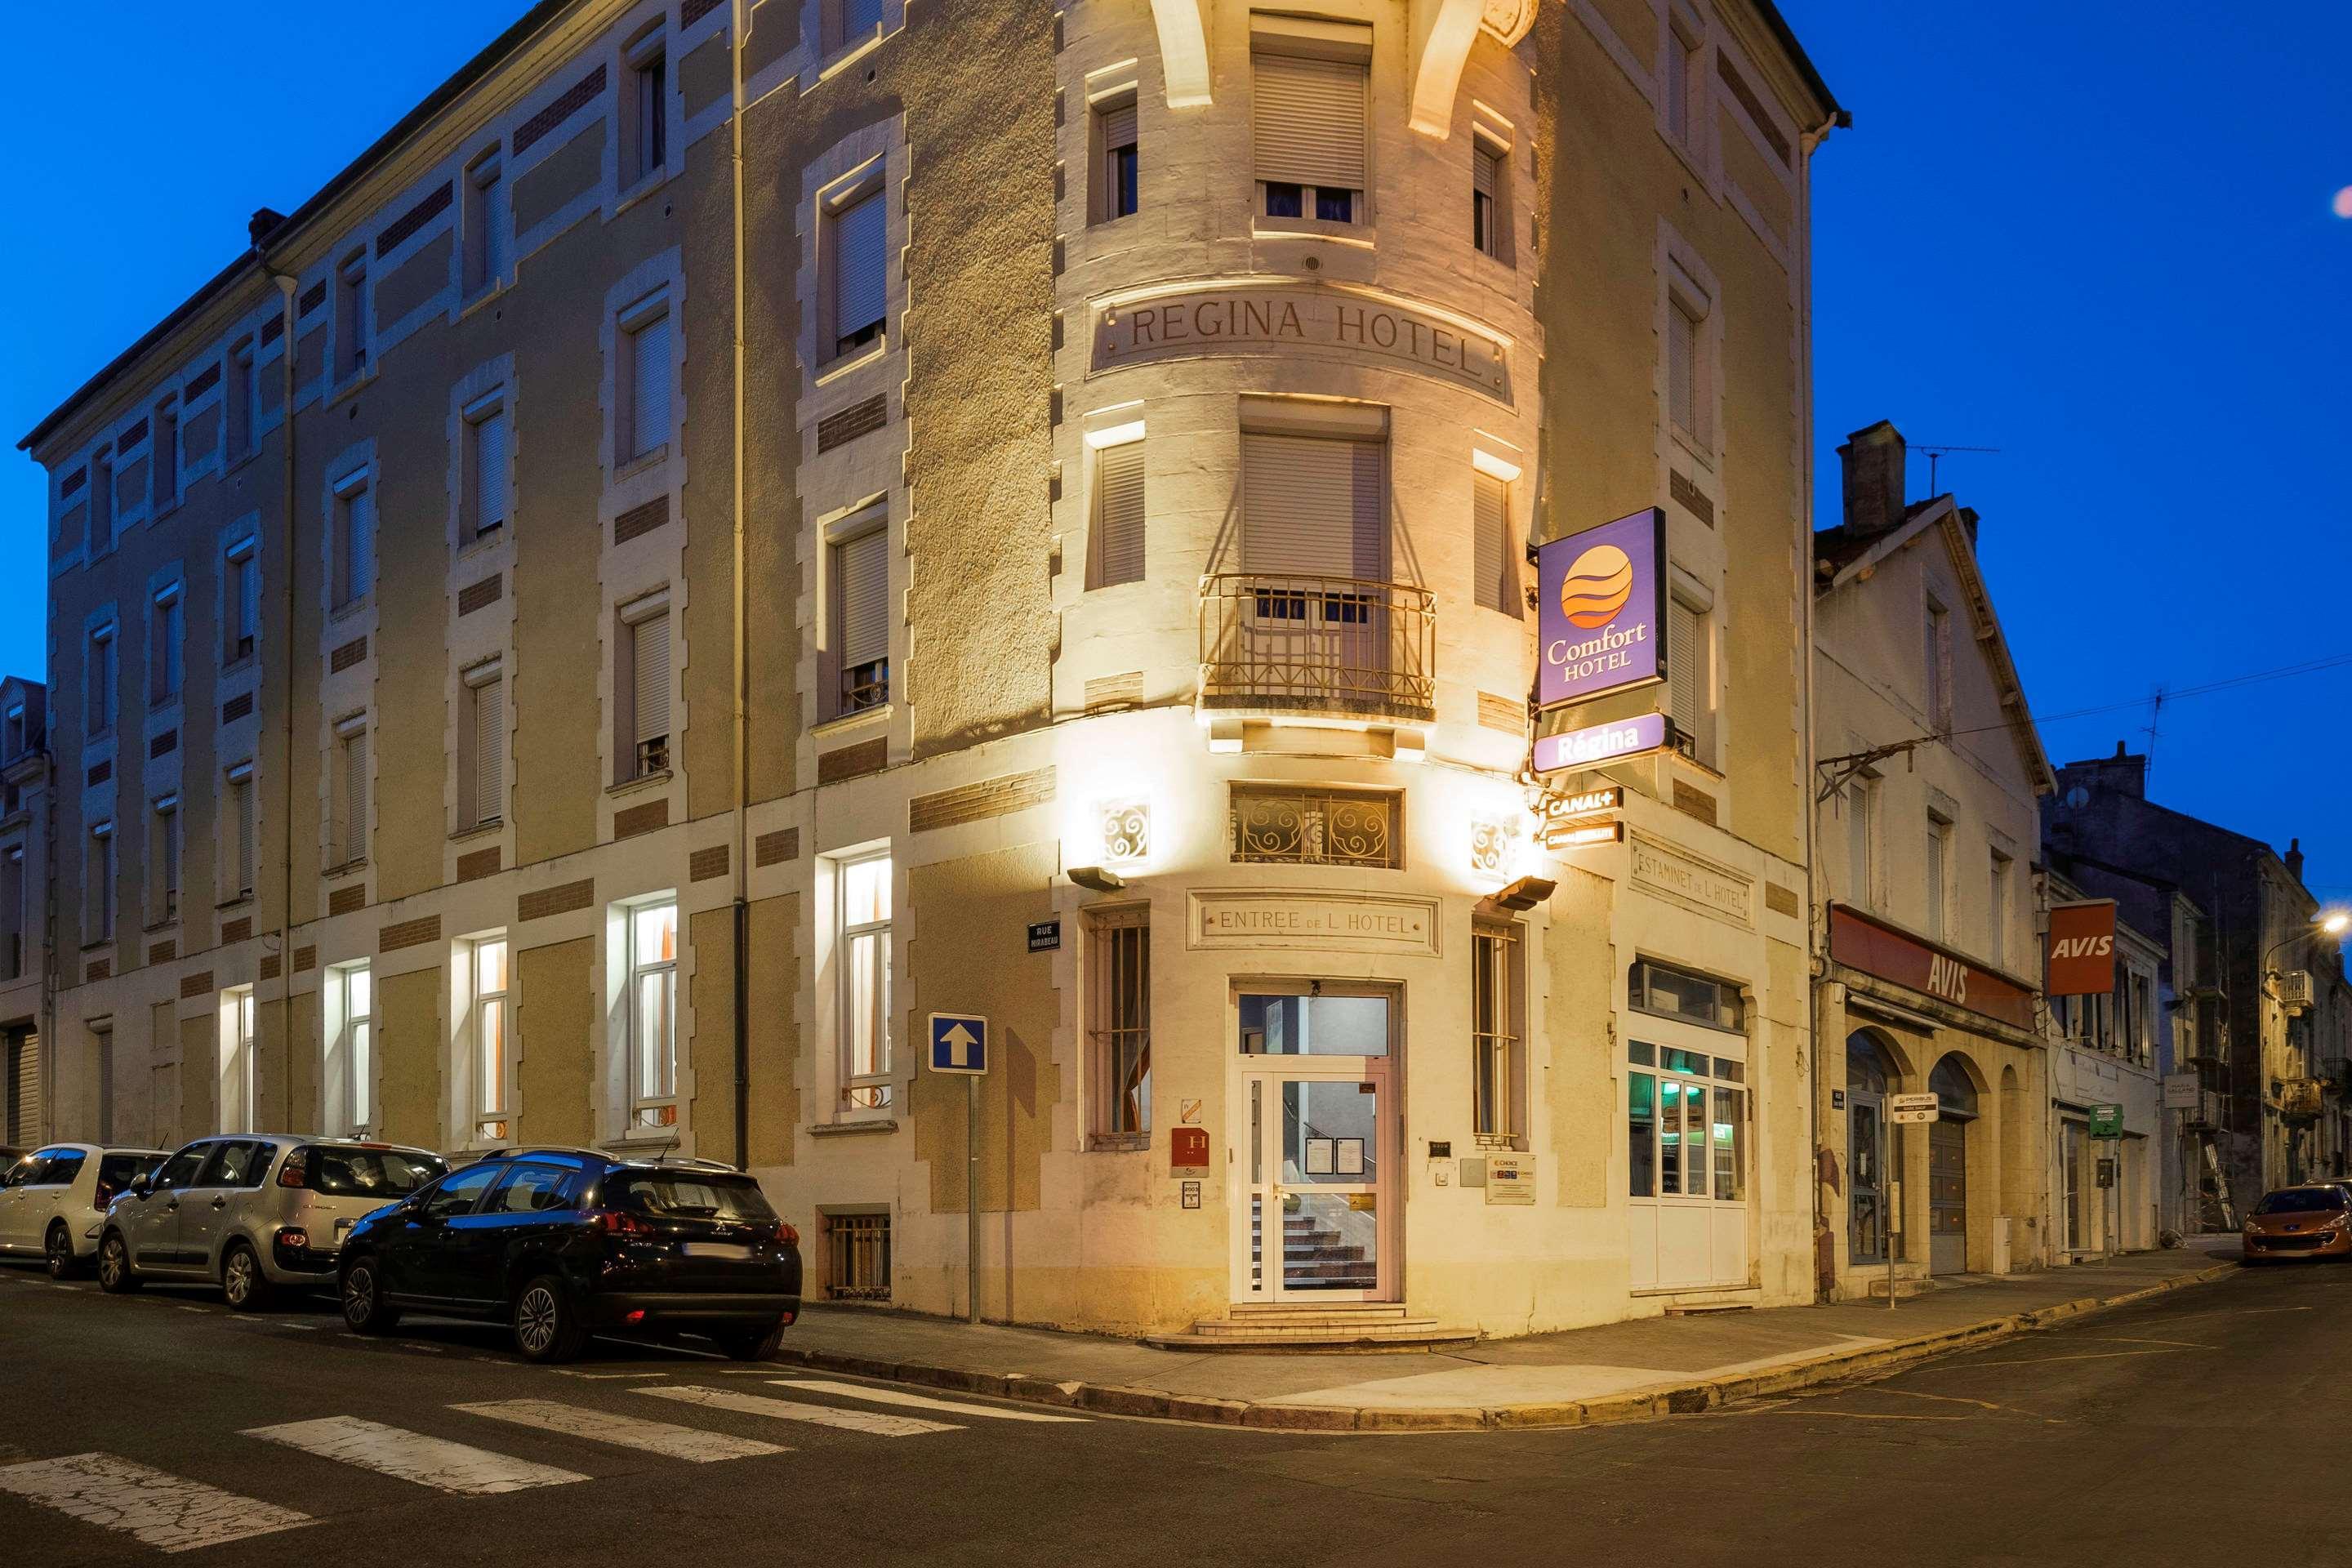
<point x="1937" y="454"/>
<point x="2155" y="711"/>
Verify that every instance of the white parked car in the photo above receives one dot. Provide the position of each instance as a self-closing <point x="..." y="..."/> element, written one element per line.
<point x="51" y="1199"/>
<point x="253" y="1212"/>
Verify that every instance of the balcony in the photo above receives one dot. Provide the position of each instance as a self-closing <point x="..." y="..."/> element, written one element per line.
<point x="1281" y="643"/>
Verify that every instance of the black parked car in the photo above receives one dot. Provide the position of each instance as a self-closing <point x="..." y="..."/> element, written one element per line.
<point x="562" y="1243"/>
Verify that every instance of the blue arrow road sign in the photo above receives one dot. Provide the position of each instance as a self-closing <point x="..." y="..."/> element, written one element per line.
<point x="958" y="1043"/>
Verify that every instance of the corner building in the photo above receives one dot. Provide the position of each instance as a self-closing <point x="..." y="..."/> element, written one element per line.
<point x="1082" y="585"/>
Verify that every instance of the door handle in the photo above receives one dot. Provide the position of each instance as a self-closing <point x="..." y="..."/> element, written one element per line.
<point x="172" y="1207"/>
<point x="220" y="1202"/>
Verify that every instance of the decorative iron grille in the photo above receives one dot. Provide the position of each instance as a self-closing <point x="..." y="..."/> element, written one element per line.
<point x="1320" y="827"/>
<point x="1318" y="643"/>
<point x="858" y="1257"/>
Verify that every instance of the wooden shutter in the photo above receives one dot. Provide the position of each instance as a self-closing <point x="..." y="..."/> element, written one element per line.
<point x="1307" y="121"/>
<point x="859" y="235"/>
<point x="650" y="385"/>
<point x="862" y="596"/>
<point x="649" y="672"/>
<point x="1119" y="514"/>
<point x="1497" y="585"/>
<point x="484" y="797"/>
<point x="490" y="470"/>
<point x="1314" y="506"/>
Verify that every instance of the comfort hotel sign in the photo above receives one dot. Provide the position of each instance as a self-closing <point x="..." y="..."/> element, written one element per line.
<point x="1324" y="322"/>
<point x="1603" y="609"/>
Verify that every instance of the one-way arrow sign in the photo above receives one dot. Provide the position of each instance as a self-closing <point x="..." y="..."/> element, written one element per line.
<point x="958" y="1043"/>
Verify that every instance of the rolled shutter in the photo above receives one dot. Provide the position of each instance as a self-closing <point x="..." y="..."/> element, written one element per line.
<point x="1497" y="583"/>
<point x="649" y="667"/>
<point x="489" y="738"/>
<point x="356" y="796"/>
<point x="859" y="19"/>
<point x="1681" y="400"/>
<point x="1119" y="514"/>
<point x="863" y="598"/>
<point x="1314" y="506"/>
<point x="245" y="835"/>
<point x="1484" y="171"/>
<point x="491" y="469"/>
<point x="1119" y="128"/>
<point x="361" y="543"/>
<point x="1686" y="669"/>
<point x="650" y="385"/>
<point x="1307" y="121"/>
<point x="859" y="297"/>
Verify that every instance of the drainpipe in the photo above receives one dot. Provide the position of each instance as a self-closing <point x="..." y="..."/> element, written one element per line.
<point x="740" y="858"/>
<point x="1824" y="1278"/>
<point x="48" y="1041"/>
<point x="287" y="284"/>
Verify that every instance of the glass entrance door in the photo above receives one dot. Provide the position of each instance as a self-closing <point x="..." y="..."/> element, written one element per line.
<point x="1317" y="1219"/>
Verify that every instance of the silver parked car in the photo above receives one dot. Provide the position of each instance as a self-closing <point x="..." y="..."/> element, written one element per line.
<point x="51" y="1199"/>
<point x="253" y="1211"/>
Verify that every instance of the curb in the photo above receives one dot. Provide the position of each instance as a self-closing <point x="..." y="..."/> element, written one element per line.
<point x="1641" y="1404"/>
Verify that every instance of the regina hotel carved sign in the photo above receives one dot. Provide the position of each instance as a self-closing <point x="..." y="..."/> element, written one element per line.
<point x="1337" y="323"/>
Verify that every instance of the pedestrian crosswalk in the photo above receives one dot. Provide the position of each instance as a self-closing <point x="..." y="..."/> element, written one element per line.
<point x="177" y="1513"/>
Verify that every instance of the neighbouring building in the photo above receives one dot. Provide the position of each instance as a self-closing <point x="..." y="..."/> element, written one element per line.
<point x="2105" y="1049"/>
<point x="1926" y="901"/>
<point x="557" y="644"/>
<point x="2267" y="1019"/>
<point x="24" y="904"/>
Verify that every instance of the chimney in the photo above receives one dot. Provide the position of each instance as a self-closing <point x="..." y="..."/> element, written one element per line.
<point x="1874" y="460"/>
<point x="2125" y="773"/>
<point x="2293" y="858"/>
<point x="259" y="226"/>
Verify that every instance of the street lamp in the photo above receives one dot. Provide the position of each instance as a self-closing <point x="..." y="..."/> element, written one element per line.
<point x="2335" y="922"/>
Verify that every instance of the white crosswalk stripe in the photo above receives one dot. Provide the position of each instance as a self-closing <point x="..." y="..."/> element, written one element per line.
<point x="868" y="1421"/>
<point x="915" y="1401"/>
<point x="625" y="1431"/>
<point x="161" y="1510"/>
<point x="413" y="1456"/>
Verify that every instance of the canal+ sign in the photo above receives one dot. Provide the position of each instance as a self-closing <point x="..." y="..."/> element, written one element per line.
<point x="1603" y="609"/>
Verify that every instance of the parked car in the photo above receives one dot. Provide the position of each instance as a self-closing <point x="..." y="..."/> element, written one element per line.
<point x="560" y="1243"/>
<point x="51" y="1199"/>
<point x="2313" y="1220"/>
<point x="255" y="1211"/>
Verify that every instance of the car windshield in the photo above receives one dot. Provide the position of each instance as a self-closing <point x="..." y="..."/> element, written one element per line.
<point x="2302" y="1200"/>
<point x="385" y="1174"/>
<point x="690" y="1195"/>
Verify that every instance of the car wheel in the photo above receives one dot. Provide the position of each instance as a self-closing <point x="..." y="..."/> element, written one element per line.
<point x="547" y="1326"/>
<point x="363" y="1304"/>
<point x="114" y="1274"/>
<point x="751" y="1345"/>
<point x="242" y="1280"/>
<point x="58" y="1250"/>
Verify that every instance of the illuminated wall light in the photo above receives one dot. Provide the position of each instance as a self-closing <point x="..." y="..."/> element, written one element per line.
<point x="1126" y="830"/>
<point x="1494" y="846"/>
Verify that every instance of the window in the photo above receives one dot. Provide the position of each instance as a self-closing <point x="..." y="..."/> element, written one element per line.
<point x="244" y="398"/>
<point x="163" y="646"/>
<point x="1938" y="872"/>
<point x="1273" y="826"/>
<point x="862" y="956"/>
<point x="101" y="504"/>
<point x="1679" y="994"/>
<point x="488" y="480"/>
<point x="1490" y="172"/>
<point x="1939" y="669"/>
<point x="12" y="912"/>
<point x="350" y="316"/>
<point x="858" y="1257"/>
<point x="1118" y="160"/>
<point x="1494" y="562"/>
<point x="857" y="256"/>
<point x="1498" y="1032"/>
<point x="163" y="456"/>
<point x="1308" y="136"/>
<point x="1690" y="392"/>
<point x="487" y="215"/>
<point x="234" y="1102"/>
<point x="489" y="1038"/>
<point x="850" y="22"/>
<point x="860" y="566"/>
<point x="241" y="617"/>
<point x="1118" y="959"/>
<point x="1687" y="1124"/>
<point x="240" y="831"/>
<point x="12" y="743"/>
<point x="1682" y="78"/>
<point x="354" y="540"/>
<point x="98" y="885"/>
<point x="1118" y="524"/>
<point x="644" y="751"/>
<point x="1690" y="678"/>
<point x="645" y="381"/>
<point x="1997" y="911"/>
<point x="163" y="862"/>
<point x="98" y="669"/>
<point x="350" y="1031"/>
<point x="481" y="747"/>
<point x="653" y="1015"/>
<point x="1862" y="838"/>
<point x="647" y="129"/>
<point x="349" y="833"/>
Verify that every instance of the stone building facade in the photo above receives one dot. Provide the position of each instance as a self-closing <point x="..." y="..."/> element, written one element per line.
<point x="1022" y="518"/>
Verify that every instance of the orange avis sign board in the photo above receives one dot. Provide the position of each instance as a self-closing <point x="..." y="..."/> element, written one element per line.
<point x="2082" y="953"/>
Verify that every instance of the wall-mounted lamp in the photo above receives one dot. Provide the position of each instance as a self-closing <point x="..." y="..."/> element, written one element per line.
<point x="1096" y="879"/>
<point x="1518" y="897"/>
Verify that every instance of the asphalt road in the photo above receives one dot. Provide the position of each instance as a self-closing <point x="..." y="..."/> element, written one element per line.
<point x="2207" y="1426"/>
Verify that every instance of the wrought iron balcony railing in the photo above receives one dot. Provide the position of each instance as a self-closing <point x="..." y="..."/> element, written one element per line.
<point x="1295" y="644"/>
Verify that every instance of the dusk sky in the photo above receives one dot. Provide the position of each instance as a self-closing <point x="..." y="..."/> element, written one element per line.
<point x="2109" y="255"/>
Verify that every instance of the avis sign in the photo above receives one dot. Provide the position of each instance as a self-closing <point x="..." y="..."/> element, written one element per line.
<point x="1601" y="598"/>
<point x="1859" y="941"/>
<point x="2082" y="957"/>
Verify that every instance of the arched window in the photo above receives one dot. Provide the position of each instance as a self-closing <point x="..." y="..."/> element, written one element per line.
<point x="1952" y="1088"/>
<point x="1867" y="1070"/>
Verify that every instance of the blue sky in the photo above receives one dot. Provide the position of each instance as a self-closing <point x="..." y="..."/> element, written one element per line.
<point x="2096" y="237"/>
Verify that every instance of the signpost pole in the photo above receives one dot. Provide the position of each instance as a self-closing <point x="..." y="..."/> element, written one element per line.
<point x="972" y="1199"/>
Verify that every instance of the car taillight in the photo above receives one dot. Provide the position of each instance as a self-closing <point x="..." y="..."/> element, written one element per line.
<point x="292" y="1173"/>
<point x="786" y="1234"/>
<point x="619" y="1222"/>
<point x="289" y="1236"/>
<point x="104" y="1196"/>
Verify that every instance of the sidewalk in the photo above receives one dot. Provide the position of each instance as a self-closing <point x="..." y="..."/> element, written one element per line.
<point x="1616" y="1371"/>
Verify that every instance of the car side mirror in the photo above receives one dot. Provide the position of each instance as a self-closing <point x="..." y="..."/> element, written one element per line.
<point x="141" y="1187"/>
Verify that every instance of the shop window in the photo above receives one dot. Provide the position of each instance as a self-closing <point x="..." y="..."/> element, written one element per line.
<point x="1679" y="994"/>
<point x="1687" y="1124"/>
